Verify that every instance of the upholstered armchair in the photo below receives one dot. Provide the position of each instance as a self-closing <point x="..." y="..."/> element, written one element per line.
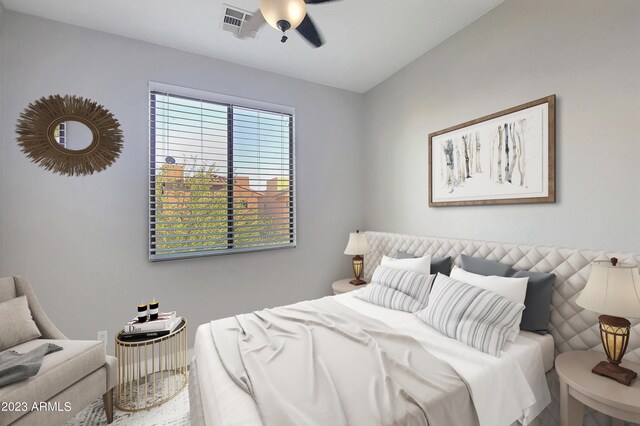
<point x="68" y="380"/>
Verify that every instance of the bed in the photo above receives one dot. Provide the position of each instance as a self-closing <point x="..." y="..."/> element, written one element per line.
<point x="507" y="390"/>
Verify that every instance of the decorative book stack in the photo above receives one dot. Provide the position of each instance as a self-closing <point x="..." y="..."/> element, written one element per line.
<point x="161" y="326"/>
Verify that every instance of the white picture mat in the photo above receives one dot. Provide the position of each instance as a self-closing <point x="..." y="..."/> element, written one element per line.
<point x="480" y="186"/>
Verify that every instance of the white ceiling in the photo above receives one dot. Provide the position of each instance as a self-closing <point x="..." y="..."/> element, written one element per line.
<point x="366" y="40"/>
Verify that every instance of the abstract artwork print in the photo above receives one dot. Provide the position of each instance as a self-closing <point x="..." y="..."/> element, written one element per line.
<point x="504" y="158"/>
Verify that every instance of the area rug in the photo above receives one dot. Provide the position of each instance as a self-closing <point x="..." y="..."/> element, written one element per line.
<point x="172" y="413"/>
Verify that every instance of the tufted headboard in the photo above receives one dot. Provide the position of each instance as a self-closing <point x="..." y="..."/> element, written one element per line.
<point x="572" y="327"/>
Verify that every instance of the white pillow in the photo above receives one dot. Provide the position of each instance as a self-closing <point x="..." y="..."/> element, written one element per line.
<point x="514" y="289"/>
<point x="421" y="265"/>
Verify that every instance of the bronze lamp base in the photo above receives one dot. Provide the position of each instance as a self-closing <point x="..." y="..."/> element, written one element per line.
<point x="357" y="270"/>
<point x="615" y="372"/>
<point x="614" y="332"/>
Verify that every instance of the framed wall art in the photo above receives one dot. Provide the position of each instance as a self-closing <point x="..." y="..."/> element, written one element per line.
<point x="503" y="158"/>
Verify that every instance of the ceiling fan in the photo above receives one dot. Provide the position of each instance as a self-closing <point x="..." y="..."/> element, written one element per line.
<point x="284" y="15"/>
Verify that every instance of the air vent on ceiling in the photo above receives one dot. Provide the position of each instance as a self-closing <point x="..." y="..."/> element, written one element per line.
<point x="233" y="18"/>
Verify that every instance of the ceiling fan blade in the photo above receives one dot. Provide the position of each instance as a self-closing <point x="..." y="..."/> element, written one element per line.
<point x="308" y="30"/>
<point x="317" y="1"/>
<point x="253" y="24"/>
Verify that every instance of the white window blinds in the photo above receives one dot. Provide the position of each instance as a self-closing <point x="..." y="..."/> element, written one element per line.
<point x="221" y="175"/>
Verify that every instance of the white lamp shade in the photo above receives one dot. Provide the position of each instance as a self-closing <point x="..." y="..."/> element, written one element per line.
<point x="357" y="244"/>
<point x="612" y="290"/>
<point x="292" y="11"/>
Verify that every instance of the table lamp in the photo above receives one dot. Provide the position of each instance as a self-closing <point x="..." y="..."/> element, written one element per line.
<point x="613" y="290"/>
<point x="356" y="247"/>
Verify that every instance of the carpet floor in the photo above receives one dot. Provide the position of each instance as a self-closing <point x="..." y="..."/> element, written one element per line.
<point x="172" y="413"/>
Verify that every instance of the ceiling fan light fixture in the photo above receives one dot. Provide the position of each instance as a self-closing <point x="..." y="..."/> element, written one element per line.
<point x="291" y="11"/>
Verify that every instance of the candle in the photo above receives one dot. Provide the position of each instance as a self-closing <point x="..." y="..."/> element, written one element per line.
<point x="142" y="312"/>
<point x="153" y="309"/>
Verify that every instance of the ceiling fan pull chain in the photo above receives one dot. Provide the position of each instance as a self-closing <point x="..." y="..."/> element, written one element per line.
<point x="284" y="25"/>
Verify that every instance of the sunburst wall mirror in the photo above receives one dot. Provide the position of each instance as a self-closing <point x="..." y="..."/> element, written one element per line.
<point x="70" y="135"/>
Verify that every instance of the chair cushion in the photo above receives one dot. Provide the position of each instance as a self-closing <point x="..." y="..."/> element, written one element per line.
<point x="59" y="370"/>
<point x="16" y="324"/>
<point x="7" y="289"/>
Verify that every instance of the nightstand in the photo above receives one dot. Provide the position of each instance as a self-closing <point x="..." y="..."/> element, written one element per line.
<point x="343" y="286"/>
<point x="151" y="370"/>
<point x="580" y="387"/>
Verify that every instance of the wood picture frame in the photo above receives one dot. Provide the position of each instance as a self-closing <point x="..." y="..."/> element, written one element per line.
<point x="511" y="155"/>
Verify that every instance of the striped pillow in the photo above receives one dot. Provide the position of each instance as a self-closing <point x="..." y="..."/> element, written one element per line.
<point x="397" y="289"/>
<point x="480" y="318"/>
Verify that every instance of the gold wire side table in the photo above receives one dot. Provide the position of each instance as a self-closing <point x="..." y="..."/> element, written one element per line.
<point x="151" y="371"/>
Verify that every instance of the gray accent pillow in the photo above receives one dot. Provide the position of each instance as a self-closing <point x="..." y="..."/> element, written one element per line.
<point x="481" y="266"/>
<point x="397" y="289"/>
<point x="535" y="317"/>
<point x="440" y="265"/>
<point x="16" y="324"/>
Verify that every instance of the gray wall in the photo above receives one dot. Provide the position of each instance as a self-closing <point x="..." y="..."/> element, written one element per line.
<point x="587" y="52"/>
<point x="2" y="85"/>
<point x="83" y="240"/>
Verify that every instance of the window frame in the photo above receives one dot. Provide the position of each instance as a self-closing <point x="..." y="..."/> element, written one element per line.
<point x="230" y="102"/>
<point x="62" y="134"/>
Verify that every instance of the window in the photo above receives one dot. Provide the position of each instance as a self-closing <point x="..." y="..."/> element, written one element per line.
<point x="60" y="134"/>
<point x="221" y="174"/>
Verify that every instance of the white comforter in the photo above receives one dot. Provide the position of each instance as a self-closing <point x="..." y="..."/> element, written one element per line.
<point x="506" y="389"/>
<point x="499" y="387"/>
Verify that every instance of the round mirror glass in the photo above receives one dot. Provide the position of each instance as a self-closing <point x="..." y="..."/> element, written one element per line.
<point x="73" y="135"/>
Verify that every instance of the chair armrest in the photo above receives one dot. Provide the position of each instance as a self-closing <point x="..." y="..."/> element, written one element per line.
<point x="111" y="371"/>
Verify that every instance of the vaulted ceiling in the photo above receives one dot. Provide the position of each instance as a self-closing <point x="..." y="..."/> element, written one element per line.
<point x="366" y="40"/>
